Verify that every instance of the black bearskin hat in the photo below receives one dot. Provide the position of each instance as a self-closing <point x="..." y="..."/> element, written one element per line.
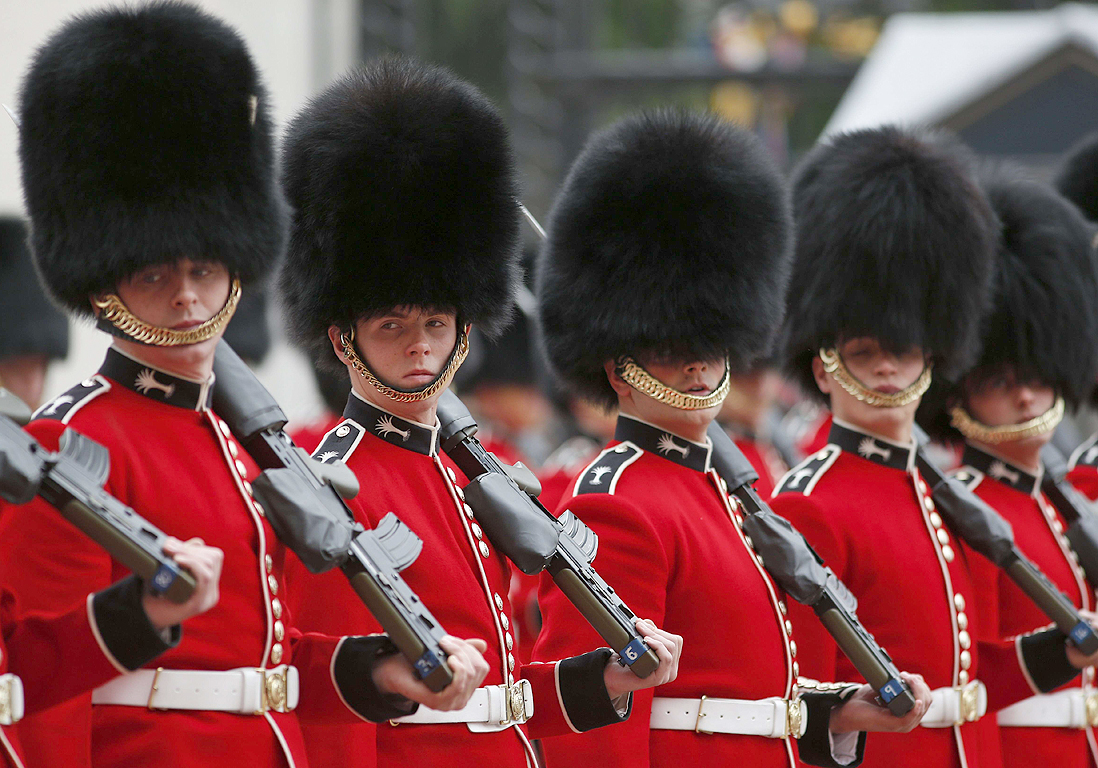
<point x="671" y="234"/>
<point x="29" y="323"/>
<point x="895" y="240"/>
<point x="403" y="188"/>
<point x="1044" y="318"/>
<point x="145" y="138"/>
<point x="1077" y="178"/>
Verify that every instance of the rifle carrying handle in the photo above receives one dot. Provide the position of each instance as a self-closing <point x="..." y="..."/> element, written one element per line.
<point x="875" y="674"/>
<point x="410" y="645"/>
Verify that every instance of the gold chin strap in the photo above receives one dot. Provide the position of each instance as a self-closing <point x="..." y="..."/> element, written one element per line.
<point x="118" y="315"/>
<point x="833" y="364"/>
<point x="457" y="357"/>
<point x="645" y="383"/>
<point x="1038" y="425"/>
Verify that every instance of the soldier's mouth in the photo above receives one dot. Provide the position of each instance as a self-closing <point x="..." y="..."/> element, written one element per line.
<point x="887" y="389"/>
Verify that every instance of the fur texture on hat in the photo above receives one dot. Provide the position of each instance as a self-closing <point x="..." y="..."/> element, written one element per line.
<point x="403" y="187"/>
<point x="895" y="240"/>
<point x="29" y="323"/>
<point x="1077" y="177"/>
<point x="145" y="138"/>
<point x="672" y="235"/>
<point x="1044" y="319"/>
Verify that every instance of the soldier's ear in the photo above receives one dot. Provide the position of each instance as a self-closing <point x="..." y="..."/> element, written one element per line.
<point x="617" y="383"/>
<point x="823" y="380"/>
<point x="334" y="335"/>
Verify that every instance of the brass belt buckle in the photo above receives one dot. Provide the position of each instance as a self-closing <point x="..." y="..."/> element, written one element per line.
<point x="1090" y="705"/>
<point x="970" y="703"/>
<point x="275" y="691"/>
<point x="518" y="702"/>
<point x="795" y="719"/>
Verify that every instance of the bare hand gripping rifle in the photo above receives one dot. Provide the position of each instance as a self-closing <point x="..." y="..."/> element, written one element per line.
<point x="792" y="562"/>
<point x="72" y="480"/>
<point x="304" y="503"/>
<point x="1082" y="529"/>
<point x="534" y="540"/>
<point x="984" y="529"/>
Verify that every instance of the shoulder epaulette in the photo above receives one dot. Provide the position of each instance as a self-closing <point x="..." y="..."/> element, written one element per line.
<point x="970" y="477"/>
<point x="601" y="475"/>
<point x="803" y="477"/>
<point x="64" y="407"/>
<point x="340" y="442"/>
<point x="1086" y="454"/>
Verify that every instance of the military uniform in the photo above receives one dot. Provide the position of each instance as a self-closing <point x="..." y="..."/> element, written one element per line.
<point x="866" y="510"/>
<point x="672" y="543"/>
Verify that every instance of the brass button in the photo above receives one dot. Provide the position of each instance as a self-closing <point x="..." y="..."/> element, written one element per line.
<point x="272" y="582"/>
<point x="943" y="536"/>
<point x="498" y="600"/>
<point x="510" y="663"/>
<point x="247" y="487"/>
<point x="241" y="468"/>
<point x="782" y="607"/>
<point x="792" y="647"/>
<point x="962" y="677"/>
<point x="796" y="669"/>
<point x="962" y="620"/>
<point x="233" y="450"/>
<point x="749" y="542"/>
<point x="928" y="503"/>
<point x="477" y="531"/>
<point x="224" y="428"/>
<point x="788" y="627"/>
<point x="509" y="640"/>
<point x="1057" y="526"/>
<point x="964" y="639"/>
<point x="343" y="431"/>
<point x="947" y="553"/>
<point x="959" y="601"/>
<point x="460" y="493"/>
<point x="935" y="519"/>
<point x="468" y="511"/>
<point x="504" y="621"/>
<point x="276" y="653"/>
<point x="276" y="607"/>
<point x="483" y="549"/>
<point x="966" y="659"/>
<point x="279" y="631"/>
<point x="269" y="562"/>
<point x="451" y="475"/>
<point x="259" y="510"/>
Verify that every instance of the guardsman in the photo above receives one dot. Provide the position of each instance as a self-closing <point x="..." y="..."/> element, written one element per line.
<point x="405" y="233"/>
<point x="32" y="331"/>
<point x="148" y="174"/>
<point x="666" y="264"/>
<point x="1077" y="180"/>
<point x="1040" y="353"/>
<point x="895" y="246"/>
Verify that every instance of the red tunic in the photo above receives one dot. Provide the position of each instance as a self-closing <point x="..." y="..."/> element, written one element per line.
<point x="459" y="576"/>
<point x="1083" y="468"/>
<point x="863" y="508"/>
<point x="671" y="546"/>
<point x="1005" y="611"/>
<point x="173" y="461"/>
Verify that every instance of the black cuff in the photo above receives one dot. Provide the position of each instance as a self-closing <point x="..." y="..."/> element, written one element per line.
<point x="1045" y="657"/>
<point x="583" y="691"/>
<point x="124" y="626"/>
<point x="354" y="668"/>
<point x="815" y="746"/>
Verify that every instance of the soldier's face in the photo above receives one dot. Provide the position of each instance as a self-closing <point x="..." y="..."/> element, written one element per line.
<point x="695" y="377"/>
<point x="1002" y="399"/>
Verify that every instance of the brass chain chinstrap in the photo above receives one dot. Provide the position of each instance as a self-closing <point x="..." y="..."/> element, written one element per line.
<point x="1038" y="425"/>
<point x="461" y="350"/>
<point x="118" y="315"/>
<point x="647" y="384"/>
<point x="833" y="364"/>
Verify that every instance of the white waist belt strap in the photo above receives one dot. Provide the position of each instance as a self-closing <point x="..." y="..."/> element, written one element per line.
<point x="246" y="690"/>
<point x="491" y="708"/>
<point x="1073" y="708"/>
<point x="775" y="718"/>
<point x="11" y="699"/>
<point x="954" y="706"/>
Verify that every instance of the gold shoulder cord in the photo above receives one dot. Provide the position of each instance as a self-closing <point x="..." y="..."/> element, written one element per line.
<point x="833" y="364"/>
<point x="118" y="315"/>
<point x="645" y="383"/>
<point x="1038" y="425"/>
<point x="457" y="357"/>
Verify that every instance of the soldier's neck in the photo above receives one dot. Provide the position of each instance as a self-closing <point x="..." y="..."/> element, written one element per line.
<point x="689" y="425"/>
<point x="192" y="361"/>
<point x="1021" y="453"/>
<point x="420" y="412"/>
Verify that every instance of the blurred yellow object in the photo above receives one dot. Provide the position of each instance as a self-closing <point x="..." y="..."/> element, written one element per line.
<point x="799" y="17"/>
<point x="852" y="37"/>
<point x="735" y="101"/>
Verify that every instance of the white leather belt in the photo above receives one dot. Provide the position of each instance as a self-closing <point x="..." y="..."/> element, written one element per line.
<point x="491" y="708"/>
<point x="247" y="690"/>
<point x="775" y="718"/>
<point x="11" y="699"/>
<point x="955" y="706"/>
<point x="1073" y="708"/>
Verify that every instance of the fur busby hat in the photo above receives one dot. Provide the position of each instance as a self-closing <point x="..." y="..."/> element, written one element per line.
<point x="402" y="183"/>
<point x="1043" y="321"/>
<point x="671" y="234"/>
<point x="1077" y="177"/>
<point x="29" y="323"/>
<point x="895" y="240"/>
<point x="145" y="138"/>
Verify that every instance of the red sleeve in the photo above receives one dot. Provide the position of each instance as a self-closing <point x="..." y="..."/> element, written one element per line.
<point x="632" y="558"/>
<point x="1085" y="479"/>
<point x="817" y="652"/>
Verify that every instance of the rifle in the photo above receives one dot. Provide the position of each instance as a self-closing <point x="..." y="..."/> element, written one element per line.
<point x="791" y="561"/>
<point x="503" y="499"/>
<point x="988" y="533"/>
<point x="1082" y="530"/>
<point x="304" y="502"/>
<point x="71" y="480"/>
